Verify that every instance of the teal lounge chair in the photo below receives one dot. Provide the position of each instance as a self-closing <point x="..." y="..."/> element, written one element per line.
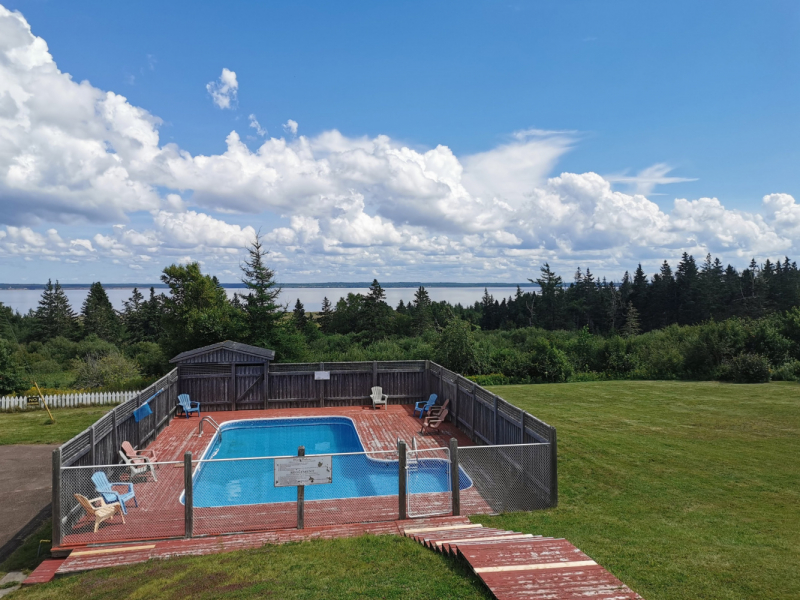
<point x="425" y="406"/>
<point x="188" y="406"/>
<point x="105" y="488"/>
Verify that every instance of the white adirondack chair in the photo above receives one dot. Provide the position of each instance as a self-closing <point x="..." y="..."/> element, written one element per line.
<point x="378" y="397"/>
<point x="139" y="465"/>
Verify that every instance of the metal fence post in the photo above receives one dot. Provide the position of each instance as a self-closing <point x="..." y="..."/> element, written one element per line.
<point x="553" y="468"/>
<point x="301" y="497"/>
<point x="188" y="496"/>
<point x="455" y="488"/>
<point x="56" y="497"/>
<point x="402" y="481"/>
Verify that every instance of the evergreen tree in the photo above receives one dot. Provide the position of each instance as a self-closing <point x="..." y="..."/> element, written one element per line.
<point x="423" y="318"/>
<point x="325" y="315"/>
<point x="299" y="318"/>
<point x="551" y="309"/>
<point x="377" y="315"/>
<point x="99" y="316"/>
<point x="54" y="316"/>
<point x="263" y="313"/>
<point x="632" y="326"/>
<point x="687" y="289"/>
<point x="487" y="311"/>
<point x="132" y="316"/>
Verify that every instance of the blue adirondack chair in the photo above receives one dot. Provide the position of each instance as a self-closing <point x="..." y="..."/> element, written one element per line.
<point x="425" y="406"/>
<point x="188" y="406"/>
<point x="105" y="489"/>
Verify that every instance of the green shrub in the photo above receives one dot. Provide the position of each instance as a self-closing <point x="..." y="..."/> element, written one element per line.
<point x="746" y="368"/>
<point x="457" y="349"/>
<point x="150" y="358"/>
<point x="109" y="371"/>
<point x="549" y="364"/>
<point x="490" y="379"/>
<point x="12" y="380"/>
<point x="788" y="371"/>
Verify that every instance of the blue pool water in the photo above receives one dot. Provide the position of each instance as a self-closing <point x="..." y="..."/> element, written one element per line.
<point x="238" y="482"/>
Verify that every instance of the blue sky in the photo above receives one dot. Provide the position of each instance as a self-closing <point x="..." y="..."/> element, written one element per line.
<point x="704" y="95"/>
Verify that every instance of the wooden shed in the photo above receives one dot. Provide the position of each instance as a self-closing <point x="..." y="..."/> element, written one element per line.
<point x="225" y="376"/>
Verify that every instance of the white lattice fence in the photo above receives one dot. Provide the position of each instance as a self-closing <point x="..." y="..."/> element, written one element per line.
<point x="68" y="400"/>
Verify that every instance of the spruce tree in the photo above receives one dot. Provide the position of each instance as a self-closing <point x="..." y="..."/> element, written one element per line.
<point x="54" y="316"/>
<point x="632" y="326"/>
<point x="325" y="315"/>
<point x="551" y="309"/>
<point x="299" y="318"/>
<point x="376" y="314"/>
<point x="261" y="302"/>
<point x="423" y="319"/>
<point x="99" y="316"/>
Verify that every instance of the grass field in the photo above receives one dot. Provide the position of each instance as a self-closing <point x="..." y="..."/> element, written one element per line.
<point x="683" y="490"/>
<point x="364" y="567"/>
<point x="34" y="426"/>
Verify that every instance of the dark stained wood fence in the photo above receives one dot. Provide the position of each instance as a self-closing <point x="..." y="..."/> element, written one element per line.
<point x="100" y="443"/>
<point x="293" y="385"/>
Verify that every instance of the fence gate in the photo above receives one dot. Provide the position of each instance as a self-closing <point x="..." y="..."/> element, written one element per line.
<point x="225" y="386"/>
<point x="428" y="486"/>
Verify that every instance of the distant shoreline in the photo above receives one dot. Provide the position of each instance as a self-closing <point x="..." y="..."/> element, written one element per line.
<point x="329" y="284"/>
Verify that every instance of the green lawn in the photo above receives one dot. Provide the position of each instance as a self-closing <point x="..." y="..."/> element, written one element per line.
<point x="34" y="426"/>
<point x="363" y="567"/>
<point x="682" y="490"/>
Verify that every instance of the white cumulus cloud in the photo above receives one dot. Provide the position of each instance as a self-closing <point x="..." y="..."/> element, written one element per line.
<point x="224" y="90"/>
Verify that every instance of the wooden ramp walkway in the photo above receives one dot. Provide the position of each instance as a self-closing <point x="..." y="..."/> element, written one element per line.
<point x="517" y="565"/>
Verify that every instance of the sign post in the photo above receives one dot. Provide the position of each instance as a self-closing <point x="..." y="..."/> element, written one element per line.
<point x="301" y="471"/>
<point x="301" y="497"/>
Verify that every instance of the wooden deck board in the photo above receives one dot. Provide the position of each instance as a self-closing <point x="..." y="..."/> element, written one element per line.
<point x="515" y="566"/>
<point x="123" y="554"/>
<point x="160" y="514"/>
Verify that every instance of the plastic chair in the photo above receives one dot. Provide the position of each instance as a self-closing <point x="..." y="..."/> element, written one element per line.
<point x="425" y="405"/>
<point x="104" y="487"/>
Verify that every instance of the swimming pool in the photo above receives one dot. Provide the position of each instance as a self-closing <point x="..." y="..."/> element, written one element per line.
<point x="239" y="482"/>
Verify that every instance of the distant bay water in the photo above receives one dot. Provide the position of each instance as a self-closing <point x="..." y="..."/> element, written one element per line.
<point x="22" y="300"/>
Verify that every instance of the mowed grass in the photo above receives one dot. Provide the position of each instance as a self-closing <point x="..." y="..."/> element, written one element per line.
<point x="363" y="567"/>
<point x="35" y="427"/>
<point x="682" y="490"/>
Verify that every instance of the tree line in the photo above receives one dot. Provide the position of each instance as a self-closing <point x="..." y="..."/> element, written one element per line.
<point x="103" y="347"/>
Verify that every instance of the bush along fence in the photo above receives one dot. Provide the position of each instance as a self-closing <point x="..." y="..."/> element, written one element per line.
<point x="511" y="467"/>
<point x="65" y="400"/>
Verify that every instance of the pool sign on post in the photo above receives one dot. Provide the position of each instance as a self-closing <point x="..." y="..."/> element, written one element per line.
<point x="301" y="471"/>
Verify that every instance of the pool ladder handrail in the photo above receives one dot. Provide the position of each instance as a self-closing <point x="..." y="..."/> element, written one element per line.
<point x="214" y="424"/>
<point x="412" y="455"/>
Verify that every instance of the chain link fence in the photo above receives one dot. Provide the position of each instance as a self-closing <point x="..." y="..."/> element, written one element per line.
<point x="429" y="484"/>
<point x="110" y="503"/>
<point x="147" y="501"/>
<point x="506" y="478"/>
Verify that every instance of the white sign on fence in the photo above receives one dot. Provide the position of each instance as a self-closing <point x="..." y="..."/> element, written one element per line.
<point x="303" y="470"/>
<point x="322" y="375"/>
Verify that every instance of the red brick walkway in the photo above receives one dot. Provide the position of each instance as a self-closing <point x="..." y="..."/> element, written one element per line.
<point x="160" y="513"/>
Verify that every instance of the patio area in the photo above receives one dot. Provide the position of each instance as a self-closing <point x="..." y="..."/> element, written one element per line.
<point x="160" y="514"/>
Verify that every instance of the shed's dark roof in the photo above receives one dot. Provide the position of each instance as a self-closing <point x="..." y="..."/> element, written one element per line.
<point x="226" y="345"/>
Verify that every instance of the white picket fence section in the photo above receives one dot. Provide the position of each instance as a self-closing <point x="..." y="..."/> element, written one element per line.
<point x="68" y="400"/>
